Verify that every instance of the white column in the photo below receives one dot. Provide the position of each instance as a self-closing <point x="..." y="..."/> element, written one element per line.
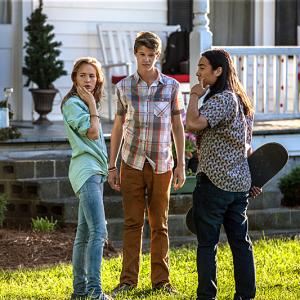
<point x="17" y="60"/>
<point x="265" y="23"/>
<point x="26" y="98"/>
<point x="200" y="37"/>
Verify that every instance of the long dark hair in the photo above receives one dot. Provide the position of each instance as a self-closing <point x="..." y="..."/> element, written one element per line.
<point x="228" y="79"/>
<point x="98" y="91"/>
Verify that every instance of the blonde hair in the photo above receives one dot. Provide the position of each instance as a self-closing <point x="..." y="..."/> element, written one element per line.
<point x="149" y="40"/>
<point x="98" y="91"/>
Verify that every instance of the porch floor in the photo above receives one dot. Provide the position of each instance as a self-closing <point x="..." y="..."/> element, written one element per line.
<point x="56" y="133"/>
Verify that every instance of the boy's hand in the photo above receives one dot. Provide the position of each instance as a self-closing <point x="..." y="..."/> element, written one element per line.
<point x="199" y="89"/>
<point x="178" y="177"/>
<point x="114" y="180"/>
<point x="255" y="191"/>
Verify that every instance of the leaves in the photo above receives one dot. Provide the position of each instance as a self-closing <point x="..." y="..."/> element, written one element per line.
<point x="290" y="187"/>
<point x="42" y="65"/>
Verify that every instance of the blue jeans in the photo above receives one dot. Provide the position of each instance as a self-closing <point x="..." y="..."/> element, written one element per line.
<point x="213" y="207"/>
<point x="90" y="238"/>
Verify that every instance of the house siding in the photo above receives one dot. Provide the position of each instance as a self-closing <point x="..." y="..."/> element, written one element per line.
<point x="75" y="26"/>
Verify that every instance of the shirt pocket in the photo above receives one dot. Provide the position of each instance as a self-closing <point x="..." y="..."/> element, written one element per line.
<point x="162" y="109"/>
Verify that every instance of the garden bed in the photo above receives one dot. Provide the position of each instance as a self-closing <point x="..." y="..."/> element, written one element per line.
<point x="28" y="249"/>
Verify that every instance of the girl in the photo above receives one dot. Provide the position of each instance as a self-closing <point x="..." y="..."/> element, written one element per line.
<point x="87" y="172"/>
<point x="224" y="125"/>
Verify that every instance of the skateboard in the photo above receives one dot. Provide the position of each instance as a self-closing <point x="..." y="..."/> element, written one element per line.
<point x="264" y="163"/>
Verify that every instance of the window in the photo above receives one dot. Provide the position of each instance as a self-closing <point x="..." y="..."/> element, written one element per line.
<point x="287" y="19"/>
<point x="5" y="12"/>
<point x="181" y="12"/>
<point x="232" y="22"/>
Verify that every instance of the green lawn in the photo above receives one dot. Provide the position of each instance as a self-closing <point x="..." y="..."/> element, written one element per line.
<point x="277" y="264"/>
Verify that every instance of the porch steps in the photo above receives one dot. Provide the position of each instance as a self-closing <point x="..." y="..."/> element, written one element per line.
<point x="39" y="186"/>
<point x="261" y="222"/>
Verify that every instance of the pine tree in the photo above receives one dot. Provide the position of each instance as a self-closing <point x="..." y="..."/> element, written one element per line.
<point x="41" y="64"/>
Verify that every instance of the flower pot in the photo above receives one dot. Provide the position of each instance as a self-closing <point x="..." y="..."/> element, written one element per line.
<point x="43" y="102"/>
<point x="4" y="117"/>
<point x="188" y="187"/>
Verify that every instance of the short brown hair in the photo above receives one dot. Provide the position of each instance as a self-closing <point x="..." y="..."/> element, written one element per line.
<point x="149" y="40"/>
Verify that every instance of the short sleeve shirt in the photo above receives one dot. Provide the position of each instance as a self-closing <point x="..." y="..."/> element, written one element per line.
<point x="148" y="112"/>
<point x="224" y="143"/>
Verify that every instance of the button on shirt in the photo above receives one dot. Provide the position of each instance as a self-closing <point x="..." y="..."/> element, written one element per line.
<point x="147" y="126"/>
<point x="223" y="145"/>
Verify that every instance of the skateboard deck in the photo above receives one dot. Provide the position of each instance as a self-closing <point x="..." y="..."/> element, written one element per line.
<point x="264" y="164"/>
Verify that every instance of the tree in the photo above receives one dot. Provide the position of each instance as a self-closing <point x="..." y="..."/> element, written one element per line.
<point x="41" y="64"/>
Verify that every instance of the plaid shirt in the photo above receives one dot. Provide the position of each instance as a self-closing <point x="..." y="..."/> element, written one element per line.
<point x="147" y="127"/>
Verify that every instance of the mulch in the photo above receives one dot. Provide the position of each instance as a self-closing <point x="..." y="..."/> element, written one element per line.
<point x="28" y="249"/>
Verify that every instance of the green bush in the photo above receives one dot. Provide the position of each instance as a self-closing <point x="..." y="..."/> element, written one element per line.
<point x="9" y="133"/>
<point x="43" y="224"/>
<point x="290" y="188"/>
<point x="42" y="65"/>
<point x="3" y="203"/>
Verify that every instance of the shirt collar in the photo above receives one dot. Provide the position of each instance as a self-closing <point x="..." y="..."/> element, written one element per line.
<point x="160" y="77"/>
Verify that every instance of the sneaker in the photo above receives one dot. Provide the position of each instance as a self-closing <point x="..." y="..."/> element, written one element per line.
<point x="78" y="297"/>
<point x="104" y="297"/>
<point x="121" y="288"/>
<point x="166" y="288"/>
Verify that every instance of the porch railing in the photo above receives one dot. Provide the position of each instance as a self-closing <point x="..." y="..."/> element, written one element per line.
<point x="271" y="78"/>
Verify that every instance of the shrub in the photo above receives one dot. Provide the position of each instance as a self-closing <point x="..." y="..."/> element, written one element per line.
<point x="3" y="203"/>
<point x="9" y="133"/>
<point x="290" y="188"/>
<point x="43" y="224"/>
<point x="42" y="65"/>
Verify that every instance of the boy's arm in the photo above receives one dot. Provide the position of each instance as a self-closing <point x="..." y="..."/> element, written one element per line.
<point x="179" y="140"/>
<point x="115" y="143"/>
<point x="194" y="121"/>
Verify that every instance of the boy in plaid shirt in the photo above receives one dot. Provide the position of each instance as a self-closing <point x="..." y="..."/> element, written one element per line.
<point x="149" y="110"/>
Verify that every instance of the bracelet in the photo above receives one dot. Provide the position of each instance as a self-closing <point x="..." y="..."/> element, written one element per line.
<point x="194" y="94"/>
<point x="95" y="116"/>
<point x="112" y="169"/>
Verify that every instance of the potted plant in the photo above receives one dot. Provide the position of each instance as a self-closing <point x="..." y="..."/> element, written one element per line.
<point x="5" y="112"/>
<point x="42" y="66"/>
<point x="6" y="130"/>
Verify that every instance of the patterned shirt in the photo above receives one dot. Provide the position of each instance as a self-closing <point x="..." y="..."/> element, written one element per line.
<point x="223" y="145"/>
<point x="147" y="127"/>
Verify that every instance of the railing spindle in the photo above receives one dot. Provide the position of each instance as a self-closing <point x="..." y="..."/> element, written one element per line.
<point x="255" y="83"/>
<point x="276" y="80"/>
<point x="296" y="83"/>
<point x="265" y="84"/>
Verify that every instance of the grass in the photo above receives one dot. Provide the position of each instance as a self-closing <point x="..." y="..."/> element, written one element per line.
<point x="277" y="264"/>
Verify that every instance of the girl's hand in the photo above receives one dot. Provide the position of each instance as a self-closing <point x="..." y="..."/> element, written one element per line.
<point x="199" y="89"/>
<point x="85" y="95"/>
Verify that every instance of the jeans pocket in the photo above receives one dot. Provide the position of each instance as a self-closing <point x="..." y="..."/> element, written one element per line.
<point x="92" y="184"/>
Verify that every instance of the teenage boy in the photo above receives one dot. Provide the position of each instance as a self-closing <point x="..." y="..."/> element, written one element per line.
<point x="149" y="109"/>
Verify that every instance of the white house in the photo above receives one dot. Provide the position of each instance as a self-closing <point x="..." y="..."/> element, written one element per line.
<point x="75" y="25"/>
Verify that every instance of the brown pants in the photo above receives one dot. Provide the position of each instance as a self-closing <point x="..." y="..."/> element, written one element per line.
<point x="134" y="183"/>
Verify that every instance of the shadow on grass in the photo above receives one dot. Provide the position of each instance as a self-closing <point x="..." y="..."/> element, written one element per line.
<point x="148" y="292"/>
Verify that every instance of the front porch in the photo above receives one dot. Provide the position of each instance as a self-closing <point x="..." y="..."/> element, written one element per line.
<point x="33" y="171"/>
